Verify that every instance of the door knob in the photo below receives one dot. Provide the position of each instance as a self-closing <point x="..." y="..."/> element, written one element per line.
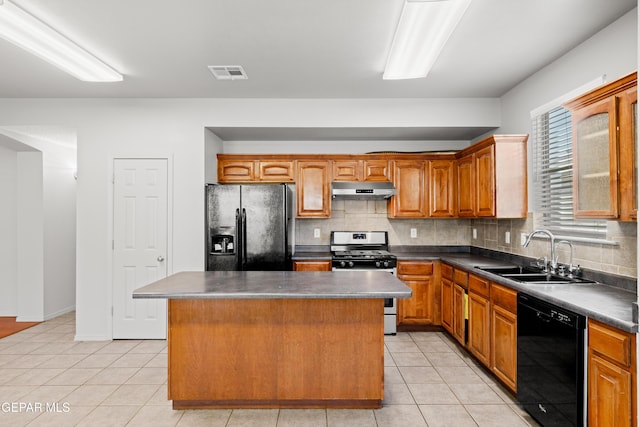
<point x="160" y="258"/>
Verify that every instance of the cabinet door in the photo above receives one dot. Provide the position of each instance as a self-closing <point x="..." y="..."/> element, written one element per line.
<point x="275" y="171"/>
<point x="610" y="393"/>
<point x="459" y="313"/>
<point x="375" y="170"/>
<point x="417" y="310"/>
<point x="466" y="187"/>
<point x="504" y="345"/>
<point x="441" y="188"/>
<point x="628" y="164"/>
<point x="410" y="198"/>
<point x="485" y="184"/>
<point x="346" y="170"/>
<point x="420" y="308"/>
<point x="304" y="265"/>
<point x="479" y="334"/>
<point x="235" y="171"/>
<point x="446" y="305"/>
<point x="595" y="165"/>
<point x="313" y="189"/>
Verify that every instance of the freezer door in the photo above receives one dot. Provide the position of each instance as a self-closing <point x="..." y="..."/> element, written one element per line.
<point x="222" y="231"/>
<point x="265" y="227"/>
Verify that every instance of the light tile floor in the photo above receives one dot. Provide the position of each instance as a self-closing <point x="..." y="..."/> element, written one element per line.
<point x="48" y="379"/>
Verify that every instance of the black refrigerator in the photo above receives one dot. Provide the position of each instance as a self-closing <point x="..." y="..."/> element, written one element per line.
<point x="248" y="227"/>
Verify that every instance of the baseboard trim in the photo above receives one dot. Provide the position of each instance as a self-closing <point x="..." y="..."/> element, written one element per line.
<point x="60" y="312"/>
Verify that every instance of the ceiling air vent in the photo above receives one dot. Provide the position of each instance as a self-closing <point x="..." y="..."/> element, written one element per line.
<point x="228" y="72"/>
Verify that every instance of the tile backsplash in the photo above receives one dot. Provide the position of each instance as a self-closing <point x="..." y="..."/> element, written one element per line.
<point x="371" y="215"/>
<point x="367" y="215"/>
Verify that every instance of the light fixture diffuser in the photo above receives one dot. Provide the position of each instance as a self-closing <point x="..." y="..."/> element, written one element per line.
<point x="33" y="35"/>
<point x="423" y="30"/>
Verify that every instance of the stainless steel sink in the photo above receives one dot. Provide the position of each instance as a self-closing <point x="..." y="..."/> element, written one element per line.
<point x="532" y="275"/>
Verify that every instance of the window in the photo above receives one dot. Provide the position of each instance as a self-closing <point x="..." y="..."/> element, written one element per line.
<point x="553" y="177"/>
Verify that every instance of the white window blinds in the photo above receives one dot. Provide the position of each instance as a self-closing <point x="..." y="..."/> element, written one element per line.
<point x="553" y="177"/>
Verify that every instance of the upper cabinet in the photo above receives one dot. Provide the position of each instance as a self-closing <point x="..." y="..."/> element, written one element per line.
<point x="604" y="145"/>
<point x="313" y="188"/>
<point x="242" y="169"/>
<point x="441" y="179"/>
<point x="492" y="178"/>
<point x="360" y="170"/>
<point x="410" y="200"/>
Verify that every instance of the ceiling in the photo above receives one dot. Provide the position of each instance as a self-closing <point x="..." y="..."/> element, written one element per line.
<point x="296" y="48"/>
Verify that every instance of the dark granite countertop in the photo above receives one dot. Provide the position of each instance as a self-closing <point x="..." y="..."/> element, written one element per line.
<point x="275" y="285"/>
<point x="599" y="301"/>
<point x="312" y="256"/>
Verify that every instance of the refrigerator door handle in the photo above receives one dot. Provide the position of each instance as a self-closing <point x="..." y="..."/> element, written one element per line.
<point x="239" y="243"/>
<point x="244" y="237"/>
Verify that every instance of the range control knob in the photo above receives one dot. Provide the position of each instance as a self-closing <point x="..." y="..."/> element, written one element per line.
<point x="343" y="264"/>
<point x="350" y="263"/>
<point x="386" y="264"/>
<point x="378" y="264"/>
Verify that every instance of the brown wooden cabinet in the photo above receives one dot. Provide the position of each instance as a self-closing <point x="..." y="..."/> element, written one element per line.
<point x="604" y="169"/>
<point x="446" y="297"/>
<point x="420" y="309"/>
<point x="504" y="329"/>
<point x="460" y="284"/>
<point x="313" y="188"/>
<point x="411" y="197"/>
<point x="309" y="265"/>
<point x="245" y="169"/>
<point x="492" y="178"/>
<point x="441" y="188"/>
<point x="479" y="319"/>
<point x="232" y="171"/>
<point x="611" y="376"/>
<point x="360" y="170"/>
<point x="275" y="170"/>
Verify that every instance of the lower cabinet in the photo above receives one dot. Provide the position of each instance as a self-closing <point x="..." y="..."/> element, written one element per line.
<point x="479" y="319"/>
<point x="504" y="330"/>
<point x="460" y="279"/>
<point x="308" y="265"/>
<point x="420" y="309"/>
<point x="446" y="297"/>
<point x="611" y="376"/>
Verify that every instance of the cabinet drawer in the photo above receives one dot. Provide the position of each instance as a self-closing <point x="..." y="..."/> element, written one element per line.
<point x="446" y="271"/>
<point x="415" y="268"/>
<point x="461" y="278"/>
<point x="478" y="285"/>
<point x="610" y="343"/>
<point x="504" y="297"/>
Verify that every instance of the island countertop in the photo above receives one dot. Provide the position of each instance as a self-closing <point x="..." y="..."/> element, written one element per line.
<point x="275" y="285"/>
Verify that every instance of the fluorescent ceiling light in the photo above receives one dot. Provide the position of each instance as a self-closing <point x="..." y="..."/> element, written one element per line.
<point x="31" y="34"/>
<point x="424" y="28"/>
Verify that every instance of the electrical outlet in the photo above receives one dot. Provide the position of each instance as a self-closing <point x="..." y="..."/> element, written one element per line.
<point x="475" y="233"/>
<point x="523" y="238"/>
<point x="414" y="233"/>
<point x="316" y="233"/>
<point x="507" y="237"/>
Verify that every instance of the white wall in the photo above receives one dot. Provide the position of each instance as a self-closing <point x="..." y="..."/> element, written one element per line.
<point x="212" y="146"/>
<point x="8" y="233"/>
<point x="30" y="229"/>
<point x="613" y="52"/>
<point x="342" y="147"/>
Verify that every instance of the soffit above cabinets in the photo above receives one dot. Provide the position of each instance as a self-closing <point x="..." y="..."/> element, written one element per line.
<point x="348" y="133"/>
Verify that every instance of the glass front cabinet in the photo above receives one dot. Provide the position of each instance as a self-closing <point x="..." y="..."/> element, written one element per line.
<point x="604" y="147"/>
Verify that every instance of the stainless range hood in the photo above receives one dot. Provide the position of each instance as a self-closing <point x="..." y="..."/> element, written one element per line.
<point x="362" y="190"/>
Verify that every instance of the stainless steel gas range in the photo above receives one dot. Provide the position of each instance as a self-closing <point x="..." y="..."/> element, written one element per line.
<point x="362" y="251"/>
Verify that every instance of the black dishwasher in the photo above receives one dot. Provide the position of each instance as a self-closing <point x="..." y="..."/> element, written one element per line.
<point x="550" y="362"/>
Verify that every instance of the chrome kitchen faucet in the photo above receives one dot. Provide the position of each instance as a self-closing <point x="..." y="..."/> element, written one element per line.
<point x="551" y="265"/>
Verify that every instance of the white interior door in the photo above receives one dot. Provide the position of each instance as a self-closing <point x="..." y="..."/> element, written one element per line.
<point x="140" y="246"/>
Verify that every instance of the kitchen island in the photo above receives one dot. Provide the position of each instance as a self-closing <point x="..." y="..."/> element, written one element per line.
<point x="276" y="339"/>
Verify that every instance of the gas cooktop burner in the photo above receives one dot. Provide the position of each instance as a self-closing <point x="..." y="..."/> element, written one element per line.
<point x="359" y="254"/>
